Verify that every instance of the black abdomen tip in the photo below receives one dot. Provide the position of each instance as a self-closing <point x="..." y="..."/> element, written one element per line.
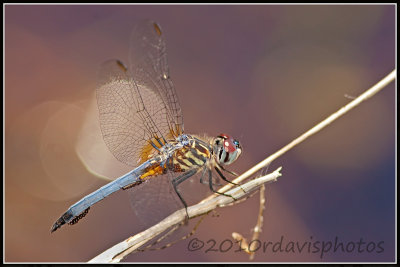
<point x="57" y="224"/>
<point x="67" y="217"/>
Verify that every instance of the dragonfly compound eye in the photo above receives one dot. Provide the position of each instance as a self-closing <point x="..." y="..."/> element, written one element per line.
<point x="226" y="149"/>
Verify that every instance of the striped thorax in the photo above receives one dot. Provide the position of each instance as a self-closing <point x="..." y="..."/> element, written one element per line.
<point x="222" y="150"/>
<point x="191" y="156"/>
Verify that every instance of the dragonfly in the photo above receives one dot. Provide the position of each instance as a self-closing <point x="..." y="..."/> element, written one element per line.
<point x="142" y="125"/>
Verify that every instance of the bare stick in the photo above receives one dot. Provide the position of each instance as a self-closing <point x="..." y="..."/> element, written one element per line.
<point x="260" y="220"/>
<point x="243" y="243"/>
<point x="364" y="96"/>
<point x="121" y="250"/>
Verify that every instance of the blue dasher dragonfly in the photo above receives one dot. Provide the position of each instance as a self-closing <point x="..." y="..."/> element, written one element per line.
<point x="142" y="125"/>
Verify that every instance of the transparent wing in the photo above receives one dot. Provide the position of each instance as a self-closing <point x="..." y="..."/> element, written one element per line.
<point x="148" y="65"/>
<point x="126" y="112"/>
<point x="155" y="199"/>
<point x="138" y="106"/>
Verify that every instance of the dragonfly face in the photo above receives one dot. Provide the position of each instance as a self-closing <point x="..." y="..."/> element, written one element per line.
<point x="226" y="149"/>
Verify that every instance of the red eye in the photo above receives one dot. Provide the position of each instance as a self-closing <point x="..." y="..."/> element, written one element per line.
<point x="228" y="151"/>
<point x="224" y="136"/>
<point x="229" y="145"/>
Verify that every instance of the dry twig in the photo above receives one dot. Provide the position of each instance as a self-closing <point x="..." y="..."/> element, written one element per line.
<point x="121" y="250"/>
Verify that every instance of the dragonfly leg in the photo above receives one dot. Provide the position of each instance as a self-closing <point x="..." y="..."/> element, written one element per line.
<point x="224" y="178"/>
<point x="228" y="171"/>
<point x="203" y="176"/>
<point x="211" y="186"/>
<point x="176" y="181"/>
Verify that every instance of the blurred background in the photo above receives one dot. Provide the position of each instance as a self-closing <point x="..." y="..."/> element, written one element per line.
<point x="262" y="73"/>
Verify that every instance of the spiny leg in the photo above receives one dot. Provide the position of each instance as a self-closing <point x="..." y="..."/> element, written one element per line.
<point x="203" y="174"/>
<point x="176" y="181"/>
<point x="202" y="178"/>
<point x="224" y="178"/>
<point x="212" y="189"/>
<point x="228" y="171"/>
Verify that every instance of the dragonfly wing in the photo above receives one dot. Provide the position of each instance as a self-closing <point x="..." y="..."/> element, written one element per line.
<point x="148" y="64"/>
<point x="126" y="110"/>
<point x="138" y="106"/>
<point x="154" y="200"/>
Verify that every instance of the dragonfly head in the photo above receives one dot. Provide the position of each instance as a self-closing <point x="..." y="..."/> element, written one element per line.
<point x="226" y="149"/>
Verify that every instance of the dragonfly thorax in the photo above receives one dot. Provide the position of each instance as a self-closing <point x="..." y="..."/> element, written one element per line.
<point x="189" y="153"/>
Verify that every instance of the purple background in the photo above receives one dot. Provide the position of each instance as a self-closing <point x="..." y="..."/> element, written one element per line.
<point x="262" y="73"/>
